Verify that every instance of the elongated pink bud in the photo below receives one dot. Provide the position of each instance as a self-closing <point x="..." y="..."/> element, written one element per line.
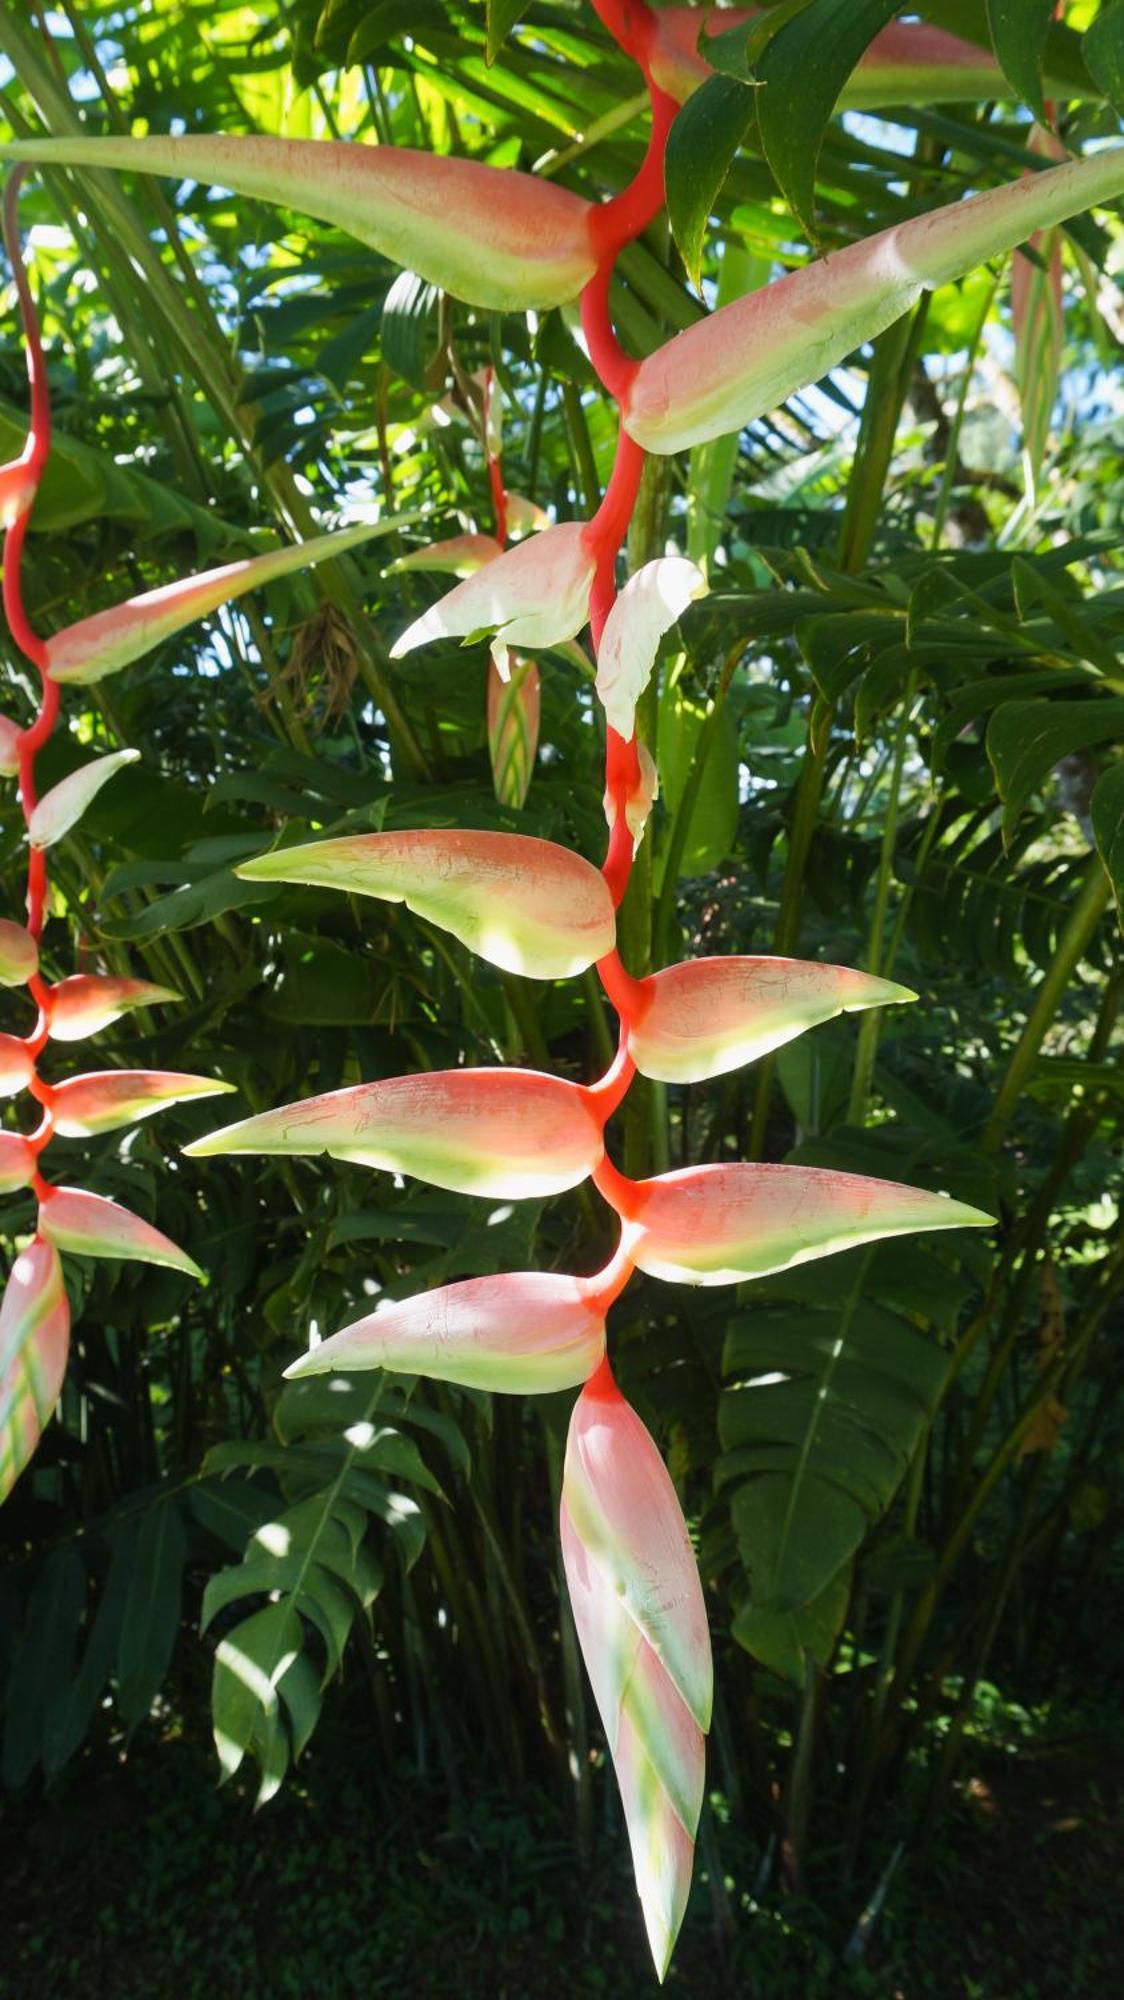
<point x="34" y="1339"/>
<point x="19" y="954"/>
<point x="524" y="904"/>
<point x="108" y="640"/>
<point x="910" y="62"/>
<point x="488" y="235"/>
<point x="17" y="1162"/>
<point x="87" y="1002"/>
<point x="17" y="1066"/>
<point x="638" y="1606"/>
<point x="460" y="555"/>
<point x="710" y="1015"/>
<point x="1038" y="314"/>
<point x="514" y="708"/>
<point x="718" y="1225"/>
<point x="508" y="1133"/>
<point x="747" y="357"/>
<point x="524" y="1333"/>
<point x="108" y="1098"/>
<point x="90" y="1225"/>
<point x="62" y="807"/>
<point x="10" y="733"/>
<point x="534" y="595"/>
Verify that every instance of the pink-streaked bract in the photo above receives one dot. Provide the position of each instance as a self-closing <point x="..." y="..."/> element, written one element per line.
<point x="17" y="1065"/>
<point x="638" y="1606"/>
<point x="719" y="1225"/>
<point x="10" y="733"/>
<point x="17" y="1162"/>
<point x="503" y="1133"/>
<point x="63" y="806"/>
<point x="34" y="1341"/>
<point x="526" y="905"/>
<point x="521" y="1333"/>
<point x="90" y="1225"/>
<point x="747" y="357"/>
<point x="535" y="595"/>
<point x="108" y="640"/>
<point x="489" y="235"/>
<point x="87" y="1002"/>
<point x="19" y="954"/>
<point x="708" y="1016"/>
<point x="109" y="1098"/>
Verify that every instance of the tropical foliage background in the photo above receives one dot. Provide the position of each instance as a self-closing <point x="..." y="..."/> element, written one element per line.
<point x="889" y="737"/>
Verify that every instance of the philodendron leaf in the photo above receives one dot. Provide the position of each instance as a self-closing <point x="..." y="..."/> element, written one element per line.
<point x="1107" y="813"/>
<point x="1026" y="739"/>
<point x="504" y="1133"/>
<point x="62" y="807"/>
<point x="746" y="358"/>
<point x="108" y="640"/>
<point x="1103" y="50"/>
<point x="1019" y="29"/>
<point x="718" y="1225"/>
<point x="526" y="905"/>
<point x="802" y="72"/>
<point x="489" y="235"/>
<point x="701" y="147"/>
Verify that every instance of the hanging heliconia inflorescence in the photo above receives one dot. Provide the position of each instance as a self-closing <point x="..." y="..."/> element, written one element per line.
<point x="34" y="1312"/>
<point x="502" y="240"/>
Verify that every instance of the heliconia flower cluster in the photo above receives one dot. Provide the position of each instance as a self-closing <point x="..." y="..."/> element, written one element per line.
<point x="34" y="1312"/>
<point x="504" y="240"/>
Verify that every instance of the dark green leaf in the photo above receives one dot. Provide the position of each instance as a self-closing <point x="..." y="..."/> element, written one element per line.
<point x="152" y="1610"/>
<point x="1103" y="50"/>
<point x="1026" y="739"/>
<point x="701" y="146"/>
<point x="802" y="72"/>
<point x="1108" y="828"/>
<point x="1018" y="35"/>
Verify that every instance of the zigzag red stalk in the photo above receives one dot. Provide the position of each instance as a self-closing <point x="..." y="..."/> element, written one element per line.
<point x="33" y="459"/>
<point x="616" y="224"/>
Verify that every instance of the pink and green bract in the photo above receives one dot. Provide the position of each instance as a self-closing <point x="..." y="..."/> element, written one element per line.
<point x="505" y="240"/>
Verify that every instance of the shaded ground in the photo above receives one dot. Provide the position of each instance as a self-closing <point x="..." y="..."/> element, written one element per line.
<point x="138" y="1879"/>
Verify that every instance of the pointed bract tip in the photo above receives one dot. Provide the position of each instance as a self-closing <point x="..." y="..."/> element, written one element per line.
<point x="306" y="1364"/>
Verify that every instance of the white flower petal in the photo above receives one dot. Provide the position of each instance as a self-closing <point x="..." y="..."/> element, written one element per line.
<point x="542" y="583"/>
<point x="647" y="607"/>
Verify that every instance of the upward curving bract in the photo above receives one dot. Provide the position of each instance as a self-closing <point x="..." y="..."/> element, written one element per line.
<point x="909" y="62"/>
<point x="489" y="235"/>
<point x="747" y="357"/>
<point x="525" y="904"/>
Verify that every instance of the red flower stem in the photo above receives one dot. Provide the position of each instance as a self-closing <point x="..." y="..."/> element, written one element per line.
<point x="609" y="1091"/>
<point x="616" y="224"/>
<point x="616" y="1187"/>
<point x="607" y="1285"/>
<point x="33" y="458"/>
<point x="602" y="1383"/>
